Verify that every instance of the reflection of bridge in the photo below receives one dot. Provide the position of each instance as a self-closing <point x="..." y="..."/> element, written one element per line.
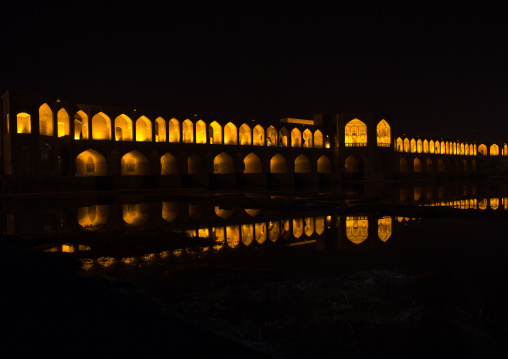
<point x="92" y="147"/>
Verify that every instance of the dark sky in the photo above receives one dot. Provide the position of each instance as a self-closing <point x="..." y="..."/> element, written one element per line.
<point x="435" y="69"/>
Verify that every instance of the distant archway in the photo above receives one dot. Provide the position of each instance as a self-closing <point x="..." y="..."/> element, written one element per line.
<point x="63" y="125"/>
<point x="169" y="165"/>
<point x="230" y="135"/>
<point x="123" y="128"/>
<point x="252" y="164"/>
<point x="91" y="163"/>
<point x="245" y="135"/>
<point x="278" y="164"/>
<point x="174" y="130"/>
<point x="134" y="163"/>
<point x="143" y="129"/>
<point x="223" y="163"/>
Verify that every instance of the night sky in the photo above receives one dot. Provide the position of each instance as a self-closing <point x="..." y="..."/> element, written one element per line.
<point x="435" y="70"/>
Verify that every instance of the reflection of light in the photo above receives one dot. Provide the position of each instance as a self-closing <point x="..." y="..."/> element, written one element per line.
<point x="105" y="261"/>
<point x="494" y="203"/>
<point x="252" y="212"/>
<point x="384" y="228"/>
<point x="357" y="229"/>
<point x="223" y="213"/>
<point x="128" y="260"/>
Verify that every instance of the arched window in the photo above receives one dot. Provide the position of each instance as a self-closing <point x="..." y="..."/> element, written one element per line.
<point x="245" y="135"/>
<point x="278" y="164"/>
<point x="494" y="150"/>
<point x="271" y="136"/>
<point x="174" y="130"/>
<point x="45" y="120"/>
<point x="215" y="133"/>
<point x="482" y="149"/>
<point x="425" y="146"/>
<point x="80" y="125"/>
<point x="143" y="129"/>
<point x="200" y="132"/>
<point x="223" y="163"/>
<point x="355" y="133"/>
<point x="169" y="165"/>
<point x="258" y="138"/>
<point x="406" y="145"/>
<point x="187" y="131"/>
<point x="134" y="163"/>
<point x="318" y="139"/>
<point x="413" y="145"/>
<point x="296" y="138"/>
<point x="62" y="118"/>
<point x="324" y="165"/>
<point x="307" y="139"/>
<point x="230" y="135"/>
<point x="123" y="128"/>
<point x="252" y="164"/>
<point x="302" y="164"/>
<point x="160" y="130"/>
<point x="383" y="134"/>
<point x="101" y="127"/>
<point x="23" y="123"/>
<point x="91" y="163"/>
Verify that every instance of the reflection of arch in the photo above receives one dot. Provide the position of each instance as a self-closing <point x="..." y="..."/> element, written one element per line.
<point x="91" y="163"/>
<point x="355" y="164"/>
<point x="324" y="165"/>
<point x="494" y="203"/>
<point x="271" y="136"/>
<point x="80" y="125"/>
<point x="357" y="229"/>
<point x="223" y="213"/>
<point x="134" y="164"/>
<point x="260" y="232"/>
<point x="223" y="163"/>
<point x="309" y="226"/>
<point x="482" y="204"/>
<point x="169" y="211"/>
<point x="194" y="164"/>
<point x="383" y="134"/>
<point x="252" y="164"/>
<point x="45" y="120"/>
<point x="233" y="236"/>
<point x="297" y="227"/>
<point x="93" y="216"/>
<point x="494" y="150"/>
<point x="23" y="123"/>
<point x="283" y="137"/>
<point x="187" y="131"/>
<point x="160" y="130"/>
<point x="169" y="165"/>
<point x="307" y="139"/>
<point x="62" y="120"/>
<point x="247" y="233"/>
<point x="320" y="225"/>
<point x="355" y="133"/>
<point x="465" y="166"/>
<point x="302" y="164"/>
<point x="230" y="134"/>
<point x="215" y="133"/>
<point x="258" y="138"/>
<point x="245" y="135"/>
<point x="278" y="164"/>
<point x="403" y="165"/>
<point x="384" y="228"/>
<point x="136" y="214"/>
<point x="273" y="230"/>
<point x="201" y="132"/>
<point x="296" y="138"/>
<point x="174" y="130"/>
<point x="143" y="129"/>
<point x="318" y="139"/>
<point x="101" y="127"/>
<point x="123" y="128"/>
<point x="417" y="165"/>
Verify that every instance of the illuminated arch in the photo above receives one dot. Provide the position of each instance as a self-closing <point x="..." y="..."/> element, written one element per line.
<point x="297" y="227"/>
<point x="505" y="150"/>
<point x="447" y="148"/>
<point x="318" y="139"/>
<point x="413" y="145"/>
<point x="494" y="150"/>
<point x="258" y="136"/>
<point x="230" y="134"/>
<point x="271" y="136"/>
<point x="63" y="125"/>
<point x="23" y="123"/>
<point x="324" y="165"/>
<point x="223" y="163"/>
<point x="252" y="164"/>
<point x="400" y="145"/>
<point x="494" y="203"/>
<point x="194" y="164"/>
<point x="320" y="225"/>
<point x="169" y="166"/>
<point x="302" y="164"/>
<point x="247" y="234"/>
<point x="283" y="137"/>
<point x="273" y="230"/>
<point x="260" y="232"/>
<point x="278" y="164"/>
<point x="101" y="127"/>
<point x="45" y="120"/>
<point x="245" y="135"/>
<point x="425" y="146"/>
<point x="482" y="204"/>
<point x="123" y="128"/>
<point x="383" y="134"/>
<point x="308" y="228"/>
<point x="461" y="149"/>
<point x="357" y="228"/>
<point x="406" y="145"/>
<point x="455" y="148"/>
<point x="431" y="146"/>
<point x="160" y="130"/>
<point x="170" y="211"/>
<point x="355" y="133"/>
<point x="201" y="132"/>
<point x="174" y="130"/>
<point x="429" y="166"/>
<point x="482" y="149"/>
<point x="134" y="163"/>
<point x="472" y="150"/>
<point x="466" y="149"/>
<point x="465" y="166"/>
<point x="307" y="138"/>
<point x="441" y="165"/>
<point x="187" y="131"/>
<point x="91" y="163"/>
<point x="417" y="165"/>
<point x="403" y="165"/>
<point x="80" y="125"/>
<point x="215" y="133"/>
<point x="93" y="216"/>
<point x="443" y="147"/>
<point x="136" y="214"/>
<point x="419" y="148"/>
<point x="296" y="138"/>
<point x="143" y="129"/>
<point x="384" y="228"/>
